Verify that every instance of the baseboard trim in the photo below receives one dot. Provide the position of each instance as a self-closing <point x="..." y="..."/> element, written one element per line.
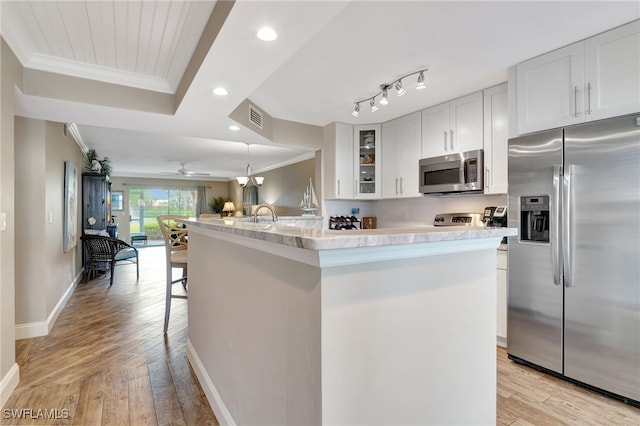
<point x="9" y="383"/>
<point x="42" y="328"/>
<point x="212" y="394"/>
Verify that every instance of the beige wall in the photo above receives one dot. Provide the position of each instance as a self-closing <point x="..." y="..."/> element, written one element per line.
<point x="41" y="149"/>
<point x="9" y="77"/>
<point x="283" y="187"/>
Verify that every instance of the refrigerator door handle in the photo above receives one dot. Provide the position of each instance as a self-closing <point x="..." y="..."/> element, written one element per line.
<point x="555" y="226"/>
<point x="567" y="258"/>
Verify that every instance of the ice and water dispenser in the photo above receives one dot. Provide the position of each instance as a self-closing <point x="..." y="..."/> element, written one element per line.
<point x="534" y="218"/>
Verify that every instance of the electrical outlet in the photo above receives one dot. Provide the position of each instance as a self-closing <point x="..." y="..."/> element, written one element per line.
<point x="3" y="221"/>
<point x="355" y="210"/>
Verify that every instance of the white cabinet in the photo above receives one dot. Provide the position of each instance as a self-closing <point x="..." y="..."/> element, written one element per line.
<point x="400" y="155"/>
<point x="501" y="326"/>
<point x="454" y="126"/>
<point x="588" y="80"/>
<point x="337" y="161"/>
<point x="366" y="144"/>
<point x="495" y="139"/>
<point x="612" y="72"/>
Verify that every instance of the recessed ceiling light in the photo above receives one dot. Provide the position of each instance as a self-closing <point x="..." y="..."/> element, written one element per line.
<point x="267" y="34"/>
<point x="234" y="127"/>
<point x="220" y="91"/>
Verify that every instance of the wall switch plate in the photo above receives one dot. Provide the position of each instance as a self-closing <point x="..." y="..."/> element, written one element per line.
<point x="3" y="221"/>
<point x="355" y="210"/>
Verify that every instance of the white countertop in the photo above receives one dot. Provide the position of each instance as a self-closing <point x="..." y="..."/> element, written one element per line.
<point x="323" y="239"/>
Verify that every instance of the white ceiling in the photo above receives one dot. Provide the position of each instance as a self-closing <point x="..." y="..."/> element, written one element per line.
<point x="328" y="54"/>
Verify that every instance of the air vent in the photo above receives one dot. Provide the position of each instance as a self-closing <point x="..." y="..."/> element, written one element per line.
<point x="255" y="116"/>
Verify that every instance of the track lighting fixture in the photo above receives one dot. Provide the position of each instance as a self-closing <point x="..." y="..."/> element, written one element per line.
<point x="384" y="91"/>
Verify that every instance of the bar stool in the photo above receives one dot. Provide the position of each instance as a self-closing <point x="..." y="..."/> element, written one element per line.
<point x="176" y="252"/>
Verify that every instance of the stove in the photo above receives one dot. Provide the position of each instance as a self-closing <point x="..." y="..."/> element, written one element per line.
<point x="459" y="219"/>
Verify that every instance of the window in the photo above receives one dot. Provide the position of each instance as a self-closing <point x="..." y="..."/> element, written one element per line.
<point x="145" y="204"/>
<point x="117" y="200"/>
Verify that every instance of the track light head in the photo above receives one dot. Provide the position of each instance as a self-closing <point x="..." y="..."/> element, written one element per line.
<point x="384" y="100"/>
<point x="399" y="88"/>
<point x="356" y="110"/>
<point x="421" y="84"/>
<point x="373" y="105"/>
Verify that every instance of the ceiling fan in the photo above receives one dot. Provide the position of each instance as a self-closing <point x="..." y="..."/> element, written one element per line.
<point x="183" y="171"/>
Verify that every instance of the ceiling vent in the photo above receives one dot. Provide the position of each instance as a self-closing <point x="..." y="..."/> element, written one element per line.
<point x="255" y="116"/>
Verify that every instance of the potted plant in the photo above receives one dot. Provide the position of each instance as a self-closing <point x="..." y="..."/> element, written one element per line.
<point x="216" y="204"/>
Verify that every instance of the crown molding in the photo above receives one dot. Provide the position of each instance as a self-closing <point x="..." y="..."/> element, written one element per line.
<point x="96" y="72"/>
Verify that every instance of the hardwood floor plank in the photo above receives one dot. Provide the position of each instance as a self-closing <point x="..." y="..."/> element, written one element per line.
<point x="141" y="404"/>
<point x="89" y="409"/>
<point x="115" y="407"/>
<point x="168" y="409"/>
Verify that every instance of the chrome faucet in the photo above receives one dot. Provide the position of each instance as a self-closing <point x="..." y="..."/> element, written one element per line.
<point x="274" y="217"/>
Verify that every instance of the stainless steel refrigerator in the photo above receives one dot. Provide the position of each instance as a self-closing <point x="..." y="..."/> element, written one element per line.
<point x="574" y="268"/>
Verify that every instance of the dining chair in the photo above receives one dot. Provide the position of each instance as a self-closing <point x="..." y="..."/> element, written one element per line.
<point x="175" y="238"/>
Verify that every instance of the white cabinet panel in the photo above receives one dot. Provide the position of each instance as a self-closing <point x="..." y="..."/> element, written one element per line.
<point x="401" y="146"/>
<point x="496" y="139"/>
<point x="466" y="123"/>
<point x="549" y="89"/>
<point x="344" y="161"/>
<point x="612" y="72"/>
<point x="501" y="326"/>
<point x="435" y="131"/>
<point x="454" y="126"/>
<point x="337" y="161"/>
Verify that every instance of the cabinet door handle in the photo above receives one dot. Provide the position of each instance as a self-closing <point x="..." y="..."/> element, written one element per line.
<point x="445" y="141"/>
<point x="451" y="139"/>
<point x="589" y="98"/>
<point x="575" y="101"/>
<point x="486" y="177"/>
<point x="396" y="186"/>
<point x="401" y="186"/>
<point x="338" y="187"/>
<point x="357" y="187"/>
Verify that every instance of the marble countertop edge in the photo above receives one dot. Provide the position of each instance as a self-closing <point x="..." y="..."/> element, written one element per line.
<point x="323" y="239"/>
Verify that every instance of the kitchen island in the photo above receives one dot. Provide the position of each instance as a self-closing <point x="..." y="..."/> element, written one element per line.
<point x="295" y="325"/>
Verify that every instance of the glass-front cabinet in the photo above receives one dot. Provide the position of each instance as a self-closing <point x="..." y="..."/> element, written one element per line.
<point x="367" y="157"/>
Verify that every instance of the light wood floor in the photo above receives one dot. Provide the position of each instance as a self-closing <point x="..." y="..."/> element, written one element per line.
<point x="106" y="362"/>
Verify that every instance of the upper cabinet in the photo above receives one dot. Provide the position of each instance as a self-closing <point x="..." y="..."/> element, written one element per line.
<point x="496" y="113"/>
<point x="337" y="153"/>
<point x="401" y="146"/>
<point x="589" y="80"/>
<point x="612" y="72"/>
<point x="367" y="161"/>
<point x="454" y="126"/>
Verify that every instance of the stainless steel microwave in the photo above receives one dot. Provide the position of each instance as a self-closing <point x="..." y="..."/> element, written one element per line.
<point x="457" y="172"/>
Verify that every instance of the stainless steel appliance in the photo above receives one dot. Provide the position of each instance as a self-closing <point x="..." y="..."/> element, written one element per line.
<point x="458" y="172"/>
<point x="458" y="219"/>
<point x="574" y="268"/>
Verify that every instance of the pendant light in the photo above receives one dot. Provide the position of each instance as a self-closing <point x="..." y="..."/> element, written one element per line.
<point x="249" y="178"/>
